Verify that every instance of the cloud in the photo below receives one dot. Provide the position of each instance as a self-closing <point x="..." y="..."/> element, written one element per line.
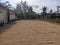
<point x="51" y="4"/>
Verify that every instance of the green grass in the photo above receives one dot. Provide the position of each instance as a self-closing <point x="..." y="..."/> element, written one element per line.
<point x="51" y="20"/>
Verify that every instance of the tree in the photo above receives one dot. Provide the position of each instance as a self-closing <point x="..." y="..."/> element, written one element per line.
<point x="44" y="9"/>
<point x="58" y="9"/>
<point x="21" y="9"/>
<point x="30" y="9"/>
<point x="51" y="11"/>
<point x="44" y="12"/>
<point x="8" y="4"/>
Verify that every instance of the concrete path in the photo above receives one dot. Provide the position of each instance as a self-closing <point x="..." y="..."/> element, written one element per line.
<point x="31" y="32"/>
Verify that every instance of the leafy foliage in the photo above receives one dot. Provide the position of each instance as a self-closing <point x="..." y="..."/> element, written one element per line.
<point x="23" y="10"/>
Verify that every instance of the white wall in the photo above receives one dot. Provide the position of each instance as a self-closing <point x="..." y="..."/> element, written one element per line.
<point x="3" y="16"/>
<point x="12" y="17"/>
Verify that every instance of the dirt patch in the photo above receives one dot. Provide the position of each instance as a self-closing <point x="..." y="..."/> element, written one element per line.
<point x="31" y="32"/>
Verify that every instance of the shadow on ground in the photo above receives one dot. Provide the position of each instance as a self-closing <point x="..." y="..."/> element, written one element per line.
<point x="4" y="28"/>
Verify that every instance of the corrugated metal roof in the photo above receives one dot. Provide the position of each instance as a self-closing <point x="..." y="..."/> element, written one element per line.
<point x="5" y="6"/>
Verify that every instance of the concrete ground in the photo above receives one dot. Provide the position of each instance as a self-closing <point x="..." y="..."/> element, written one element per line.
<point x="31" y="32"/>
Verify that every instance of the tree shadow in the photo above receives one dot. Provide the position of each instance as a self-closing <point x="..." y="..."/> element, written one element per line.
<point x="4" y="28"/>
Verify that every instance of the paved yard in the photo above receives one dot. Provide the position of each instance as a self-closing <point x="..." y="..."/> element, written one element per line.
<point x="31" y="33"/>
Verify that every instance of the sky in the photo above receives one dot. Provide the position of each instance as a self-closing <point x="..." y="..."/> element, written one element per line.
<point x="50" y="4"/>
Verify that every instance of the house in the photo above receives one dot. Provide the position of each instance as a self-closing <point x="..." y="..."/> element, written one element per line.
<point x="12" y="15"/>
<point x="6" y="15"/>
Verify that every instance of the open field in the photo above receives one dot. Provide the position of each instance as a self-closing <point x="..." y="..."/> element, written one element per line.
<point x="31" y="32"/>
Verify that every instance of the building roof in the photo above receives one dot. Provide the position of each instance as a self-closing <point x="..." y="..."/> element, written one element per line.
<point x="5" y="6"/>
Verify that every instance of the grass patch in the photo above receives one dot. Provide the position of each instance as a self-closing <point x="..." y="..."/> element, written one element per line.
<point x="51" y="20"/>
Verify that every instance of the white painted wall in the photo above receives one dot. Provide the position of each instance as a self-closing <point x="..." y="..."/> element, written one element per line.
<point x="3" y="16"/>
<point x="12" y="17"/>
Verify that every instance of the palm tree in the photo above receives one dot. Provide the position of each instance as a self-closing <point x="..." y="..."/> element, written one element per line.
<point x="8" y="12"/>
<point x="8" y="4"/>
<point x="51" y="11"/>
<point x="44" y="9"/>
<point x="58" y="9"/>
<point x="44" y="12"/>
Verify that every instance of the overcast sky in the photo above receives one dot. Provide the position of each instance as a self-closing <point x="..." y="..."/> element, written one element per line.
<point x="51" y="4"/>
